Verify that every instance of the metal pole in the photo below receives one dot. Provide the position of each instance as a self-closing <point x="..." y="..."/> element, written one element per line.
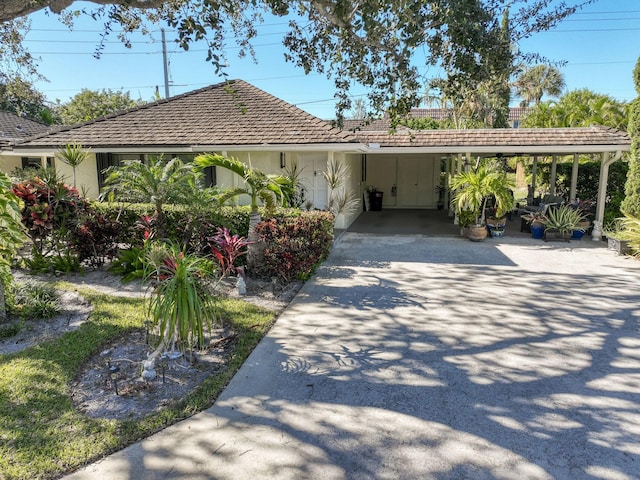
<point x="166" y="65"/>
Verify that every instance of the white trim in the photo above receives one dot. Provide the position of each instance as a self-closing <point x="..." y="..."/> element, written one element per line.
<point x="520" y="150"/>
<point x="315" y="147"/>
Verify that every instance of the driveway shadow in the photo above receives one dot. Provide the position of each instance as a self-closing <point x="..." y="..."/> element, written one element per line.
<point x="414" y="366"/>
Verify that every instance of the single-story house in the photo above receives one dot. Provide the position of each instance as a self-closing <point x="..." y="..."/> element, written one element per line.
<point x="237" y="119"/>
<point x="13" y="129"/>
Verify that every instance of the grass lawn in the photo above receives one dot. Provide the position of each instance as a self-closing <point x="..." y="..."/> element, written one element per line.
<point x="43" y="436"/>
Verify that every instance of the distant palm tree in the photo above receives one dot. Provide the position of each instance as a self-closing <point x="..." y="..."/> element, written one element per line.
<point x="538" y="81"/>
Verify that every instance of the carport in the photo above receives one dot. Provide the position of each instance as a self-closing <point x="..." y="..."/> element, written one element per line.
<point x="411" y="159"/>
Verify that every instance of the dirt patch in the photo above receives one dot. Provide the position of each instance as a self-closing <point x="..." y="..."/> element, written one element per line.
<point x="119" y="364"/>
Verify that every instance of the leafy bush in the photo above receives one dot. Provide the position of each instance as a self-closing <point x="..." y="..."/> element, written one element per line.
<point x="185" y="226"/>
<point x="35" y="301"/>
<point x="129" y="264"/>
<point x="295" y="245"/>
<point x="94" y="239"/>
<point x="588" y="180"/>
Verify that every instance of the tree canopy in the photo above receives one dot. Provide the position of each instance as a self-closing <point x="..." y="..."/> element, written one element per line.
<point x="537" y="81"/>
<point x="578" y="108"/>
<point x="382" y="45"/>
<point x="91" y="104"/>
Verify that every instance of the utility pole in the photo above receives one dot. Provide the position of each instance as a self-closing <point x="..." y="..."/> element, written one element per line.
<point x="166" y="65"/>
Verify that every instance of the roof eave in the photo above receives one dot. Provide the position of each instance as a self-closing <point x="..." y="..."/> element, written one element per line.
<point x="308" y="147"/>
<point x="504" y="149"/>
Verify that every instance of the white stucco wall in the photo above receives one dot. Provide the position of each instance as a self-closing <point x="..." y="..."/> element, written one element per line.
<point x="86" y="175"/>
<point x="9" y="162"/>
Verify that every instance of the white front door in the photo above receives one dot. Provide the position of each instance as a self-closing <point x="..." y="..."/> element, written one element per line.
<point x="311" y="167"/>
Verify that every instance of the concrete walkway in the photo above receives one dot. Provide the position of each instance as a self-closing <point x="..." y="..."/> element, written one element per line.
<point x="411" y="357"/>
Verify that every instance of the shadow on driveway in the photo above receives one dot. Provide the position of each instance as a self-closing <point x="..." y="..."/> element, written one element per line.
<point x="416" y="358"/>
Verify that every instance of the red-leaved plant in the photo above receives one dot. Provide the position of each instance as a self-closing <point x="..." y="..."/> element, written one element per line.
<point x="226" y="249"/>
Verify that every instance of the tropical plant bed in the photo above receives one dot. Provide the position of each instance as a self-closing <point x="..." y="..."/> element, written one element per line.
<point x="63" y="380"/>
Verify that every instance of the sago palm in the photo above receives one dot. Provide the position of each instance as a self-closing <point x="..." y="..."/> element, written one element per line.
<point x="157" y="181"/>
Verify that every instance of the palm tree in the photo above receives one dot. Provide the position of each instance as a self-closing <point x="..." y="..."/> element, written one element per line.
<point x="538" y="81"/>
<point x="73" y="155"/>
<point x="257" y="185"/>
<point x="473" y="188"/>
<point x="157" y="181"/>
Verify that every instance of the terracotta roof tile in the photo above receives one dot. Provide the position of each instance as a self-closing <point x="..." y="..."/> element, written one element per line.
<point x="234" y="113"/>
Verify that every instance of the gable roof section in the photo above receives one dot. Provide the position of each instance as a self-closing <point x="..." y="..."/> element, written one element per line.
<point x="499" y="140"/>
<point x="14" y="127"/>
<point x="226" y="114"/>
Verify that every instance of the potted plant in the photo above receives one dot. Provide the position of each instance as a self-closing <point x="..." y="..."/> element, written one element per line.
<point x="619" y="237"/>
<point x="536" y="222"/>
<point x="587" y="209"/>
<point x="561" y="222"/>
<point x="472" y="190"/>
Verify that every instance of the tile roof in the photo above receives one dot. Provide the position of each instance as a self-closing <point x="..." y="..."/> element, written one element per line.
<point x="14" y="127"/>
<point x="226" y="114"/>
<point x="509" y="138"/>
<point x="515" y="113"/>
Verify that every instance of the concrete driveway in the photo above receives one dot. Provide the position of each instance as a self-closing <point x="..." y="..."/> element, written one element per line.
<point x="410" y="357"/>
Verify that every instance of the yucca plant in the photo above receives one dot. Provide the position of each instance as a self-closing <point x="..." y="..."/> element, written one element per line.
<point x="181" y="306"/>
<point x="563" y="219"/>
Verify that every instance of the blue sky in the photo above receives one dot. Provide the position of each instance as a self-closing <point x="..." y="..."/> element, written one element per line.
<point x="600" y="45"/>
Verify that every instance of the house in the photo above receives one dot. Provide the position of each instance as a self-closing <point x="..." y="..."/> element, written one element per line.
<point x="237" y="119"/>
<point x="14" y="128"/>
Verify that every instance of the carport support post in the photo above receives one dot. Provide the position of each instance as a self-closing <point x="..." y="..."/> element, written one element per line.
<point x="534" y="173"/>
<point x="596" y="234"/>
<point x="552" y="178"/>
<point x="574" y="179"/>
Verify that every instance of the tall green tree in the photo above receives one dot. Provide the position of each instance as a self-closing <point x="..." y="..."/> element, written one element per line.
<point x="18" y="71"/>
<point x="158" y="181"/>
<point x="631" y="204"/>
<point x="374" y="44"/>
<point x="537" y="81"/>
<point x="91" y="104"/>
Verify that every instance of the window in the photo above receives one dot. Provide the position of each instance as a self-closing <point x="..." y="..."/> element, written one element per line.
<point x="106" y="160"/>
<point x="36" y="162"/>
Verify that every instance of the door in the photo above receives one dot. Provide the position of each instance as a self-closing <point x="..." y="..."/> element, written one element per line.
<point x="311" y="167"/>
<point x="417" y="175"/>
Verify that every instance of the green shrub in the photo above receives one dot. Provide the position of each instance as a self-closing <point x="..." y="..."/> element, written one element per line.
<point x="35" y="301"/>
<point x="588" y="180"/>
<point x="295" y="244"/>
<point x="185" y="226"/>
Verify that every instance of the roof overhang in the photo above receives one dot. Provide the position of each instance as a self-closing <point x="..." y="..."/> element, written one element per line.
<point x="323" y="147"/>
<point x="500" y="150"/>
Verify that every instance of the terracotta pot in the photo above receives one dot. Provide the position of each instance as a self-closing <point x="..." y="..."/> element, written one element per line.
<point x="477" y="233"/>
